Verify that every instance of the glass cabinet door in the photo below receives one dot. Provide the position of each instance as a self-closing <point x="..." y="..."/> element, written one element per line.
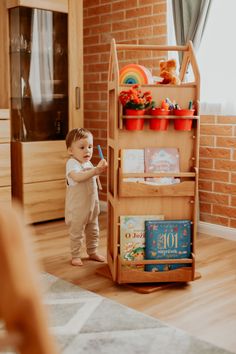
<point x="39" y="74"/>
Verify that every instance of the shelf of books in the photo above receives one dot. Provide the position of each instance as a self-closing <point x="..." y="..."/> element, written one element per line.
<point x="153" y="179"/>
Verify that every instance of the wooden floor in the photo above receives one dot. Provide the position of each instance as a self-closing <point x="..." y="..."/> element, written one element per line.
<point x="205" y="308"/>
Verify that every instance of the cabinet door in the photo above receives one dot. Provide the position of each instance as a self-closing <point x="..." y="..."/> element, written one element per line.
<point x="75" y="63"/>
<point x="44" y="200"/>
<point x="43" y="161"/>
<point x="39" y="74"/>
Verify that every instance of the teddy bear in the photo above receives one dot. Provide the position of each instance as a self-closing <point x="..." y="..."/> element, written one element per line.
<point x="168" y="72"/>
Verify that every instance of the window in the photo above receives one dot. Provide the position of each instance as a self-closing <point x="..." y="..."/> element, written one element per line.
<point x="216" y="58"/>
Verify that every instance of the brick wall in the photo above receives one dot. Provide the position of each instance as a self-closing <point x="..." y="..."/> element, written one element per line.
<point x="129" y="21"/>
<point x="217" y="183"/>
<point x="144" y="21"/>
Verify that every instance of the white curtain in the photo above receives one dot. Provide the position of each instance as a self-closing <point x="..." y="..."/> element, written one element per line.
<point x="216" y="58"/>
<point x="215" y="54"/>
<point x="41" y="64"/>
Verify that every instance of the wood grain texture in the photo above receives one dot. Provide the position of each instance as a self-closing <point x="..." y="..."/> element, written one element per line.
<point x="5" y="195"/>
<point x="4" y="131"/>
<point x="4" y="57"/>
<point x="43" y="161"/>
<point x="75" y="36"/>
<point x="44" y="200"/>
<point x="204" y="308"/>
<point x="59" y="5"/>
<point x="5" y="160"/>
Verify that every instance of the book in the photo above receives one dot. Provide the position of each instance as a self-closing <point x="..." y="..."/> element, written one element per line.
<point x="161" y="160"/>
<point x="167" y="239"/>
<point x="132" y="162"/>
<point x="132" y="237"/>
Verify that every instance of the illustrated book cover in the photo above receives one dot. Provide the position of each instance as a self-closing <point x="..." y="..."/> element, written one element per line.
<point x="132" y="237"/>
<point x="161" y="160"/>
<point x="132" y="161"/>
<point x="167" y="239"/>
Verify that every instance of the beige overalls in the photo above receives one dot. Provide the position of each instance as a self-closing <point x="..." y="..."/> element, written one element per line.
<point x="81" y="215"/>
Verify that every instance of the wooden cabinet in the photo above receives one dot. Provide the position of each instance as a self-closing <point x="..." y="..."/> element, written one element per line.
<point x="175" y="202"/>
<point x="5" y="157"/>
<point x="46" y="90"/>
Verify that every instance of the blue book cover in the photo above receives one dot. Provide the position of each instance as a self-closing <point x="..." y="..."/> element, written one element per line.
<point x="167" y="239"/>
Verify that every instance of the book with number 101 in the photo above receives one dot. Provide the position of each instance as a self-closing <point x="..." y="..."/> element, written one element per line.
<point x="167" y="239"/>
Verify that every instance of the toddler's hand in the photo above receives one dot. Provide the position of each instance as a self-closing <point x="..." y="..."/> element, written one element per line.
<point x="101" y="167"/>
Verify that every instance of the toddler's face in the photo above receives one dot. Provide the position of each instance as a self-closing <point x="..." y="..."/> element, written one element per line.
<point x="82" y="150"/>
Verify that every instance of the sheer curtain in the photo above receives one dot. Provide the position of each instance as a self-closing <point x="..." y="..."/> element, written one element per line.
<point x="216" y="58"/>
<point x="41" y="63"/>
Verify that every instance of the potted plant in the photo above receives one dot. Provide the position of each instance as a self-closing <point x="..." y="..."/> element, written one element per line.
<point x="135" y="102"/>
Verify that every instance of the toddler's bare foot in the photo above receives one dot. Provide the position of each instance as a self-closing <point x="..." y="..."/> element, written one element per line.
<point x="76" y="262"/>
<point x="97" y="257"/>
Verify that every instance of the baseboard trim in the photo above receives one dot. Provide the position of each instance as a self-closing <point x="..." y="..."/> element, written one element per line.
<point x="228" y="233"/>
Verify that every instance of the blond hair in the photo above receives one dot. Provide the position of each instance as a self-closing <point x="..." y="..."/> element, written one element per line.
<point x="76" y="134"/>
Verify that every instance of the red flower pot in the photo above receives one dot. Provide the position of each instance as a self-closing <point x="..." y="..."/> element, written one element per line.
<point x="159" y="123"/>
<point x="133" y="123"/>
<point x="183" y="123"/>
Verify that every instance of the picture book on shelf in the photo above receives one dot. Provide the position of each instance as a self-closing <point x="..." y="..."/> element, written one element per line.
<point x="133" y="161"/>
<point x="161" y="160"/>
<point x="132" y="237"/>
<point x="167" y="239"/>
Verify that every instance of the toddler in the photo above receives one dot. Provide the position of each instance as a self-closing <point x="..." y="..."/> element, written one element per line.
<point x="82" y="204"/>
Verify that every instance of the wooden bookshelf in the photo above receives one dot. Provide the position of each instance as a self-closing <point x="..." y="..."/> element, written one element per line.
<point x="175" y="201"/>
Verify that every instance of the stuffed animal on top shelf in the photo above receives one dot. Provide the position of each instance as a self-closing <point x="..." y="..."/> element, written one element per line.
<point x="168" y="72"/>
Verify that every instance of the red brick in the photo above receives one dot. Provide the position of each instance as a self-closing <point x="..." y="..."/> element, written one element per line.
<point x="158" y="20"/>
<point x="205" y="208"/>
<point x="225" y="165"/>
<point x="113" y="17"/>
<point x="226" y="120"/>
<point x="159" y="30"/>
<point x="229" y="212"/>
<point x="91" y="21"/>
<point x="233" y="178"/>
<point x="206" y="163"/>
<point x="212" y="219"/>
<point x="122" y="5"/>
<point x="213" y="175"/>
<point x="226" y="142"/>
<point x="140" y="11"/>
<point x="208" y="119"/>
<point x="233" y="223"/>
<point x="97" y="10"/>
<point x="124" y="25"/>
<point x="224" y="188"/>
<point x="217" y="153"/>
<point x="233" y="201"/>
<point x="223" y="130"/>
<point x="160" y="8"/>
<point x="90" y="3"/>
<point x="205" y="185"/>
<point x="207" y="140"/>
<point x="213" y="198"/>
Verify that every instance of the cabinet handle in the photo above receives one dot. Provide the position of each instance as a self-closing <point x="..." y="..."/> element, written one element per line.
<point x="77" y="97"/>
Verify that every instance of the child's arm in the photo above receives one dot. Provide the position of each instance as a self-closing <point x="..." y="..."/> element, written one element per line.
<point x="81" y="176"/>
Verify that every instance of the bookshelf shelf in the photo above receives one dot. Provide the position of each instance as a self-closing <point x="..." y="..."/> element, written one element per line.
<point x="142" y="198"/>
<point x="161" y="117"/>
